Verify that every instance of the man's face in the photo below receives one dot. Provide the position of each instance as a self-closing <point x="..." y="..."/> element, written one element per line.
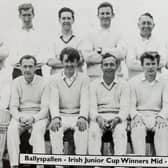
<point x="69" y="66"/>
<point x="28" y="68"/>
<point x="66" y="21"/>
<point x="109" y="66"/>
<point x="105" y="15"/>
<point x="146" y="26"/>
<point x="150" y="66"/>
<point x="26" y="17"/>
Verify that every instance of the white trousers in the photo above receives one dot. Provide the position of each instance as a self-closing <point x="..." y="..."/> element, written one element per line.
<point x="4" y="122"/>
<point x="80" y="138"/>
<point x="119" y="137"/>
<point x="36" y="139"/>
<point x="138" y="135"/>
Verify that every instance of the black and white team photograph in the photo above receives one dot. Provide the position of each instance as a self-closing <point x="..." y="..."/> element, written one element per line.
<point x="84" y="82"/>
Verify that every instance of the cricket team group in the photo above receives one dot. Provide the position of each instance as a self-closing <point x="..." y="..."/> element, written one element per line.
<point x="95" y="85"/>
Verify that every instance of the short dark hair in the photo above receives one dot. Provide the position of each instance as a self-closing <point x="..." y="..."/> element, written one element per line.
<point x="146" y="14"/>
<point x="25" y="6"/>
<point x="65" y="9"/>
<point x="105" y="4"/>
<point x="107" y="55"/>
<point x="28" y="57"/>
<point x="150" y="55"/>
<point x="72" y="54"/>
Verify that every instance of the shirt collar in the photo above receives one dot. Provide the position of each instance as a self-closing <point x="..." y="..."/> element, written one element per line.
<point x="31" y="29"/>
<point x="70" y="38"/>
<point x="60" y="34"/>
<point x="145" y="39"/>
<point x="64" y="77"/>
<point x="105" y="30"/>
<point x="109" y="87"/>
<point x="156" y="79"/>
<point x="33" y="81"/>
<point x="102" y="80"/>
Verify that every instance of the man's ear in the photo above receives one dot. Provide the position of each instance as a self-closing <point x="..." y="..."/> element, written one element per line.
<point x="101" y="65"/>
<point x="138" y="24"/>
<point x="59" y="20"/>
<point x="153" y="25"/>
<point x="113" y="15"/>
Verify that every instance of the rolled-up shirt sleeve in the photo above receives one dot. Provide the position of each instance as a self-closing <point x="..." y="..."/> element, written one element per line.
<point x="119" y="48"/>
<point x="89" y="51"/>
<point x="133" y="61"/>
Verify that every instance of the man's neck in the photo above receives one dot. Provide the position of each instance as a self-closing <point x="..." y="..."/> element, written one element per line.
<point x="150" y="78"/>
<point x="108" y="79"/>
<point x="69" y="75"/>
<point x="105" y="28"/>
<point x="27" y="27"/>
<point x="66" y="33"/>
<point x="30" y="80"/>
<point x="146" y="36"/>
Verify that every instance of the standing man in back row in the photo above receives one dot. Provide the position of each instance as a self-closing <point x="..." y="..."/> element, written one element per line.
<point x="144" y="41"/>
<point x="66" y="38"/>
<point x="26" y="41"/>
<point x="107" y="39"/>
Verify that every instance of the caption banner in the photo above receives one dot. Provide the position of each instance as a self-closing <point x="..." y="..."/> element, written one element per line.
<point x="83" y="160"/>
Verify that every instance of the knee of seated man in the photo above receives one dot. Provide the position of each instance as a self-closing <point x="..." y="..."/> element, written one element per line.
<point x="139" y="124"/>
<point x="12" y="127"/>
<point x="120" y="129"/>
<point x="39" y="127"/>
<point x="94" y="129"/>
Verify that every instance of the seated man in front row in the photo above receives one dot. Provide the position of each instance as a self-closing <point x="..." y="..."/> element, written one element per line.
<point x="29" y="110"/>
<point x="109" y="107"/>
<point x="69" y="103"/>
<point x="149" y="102"/>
